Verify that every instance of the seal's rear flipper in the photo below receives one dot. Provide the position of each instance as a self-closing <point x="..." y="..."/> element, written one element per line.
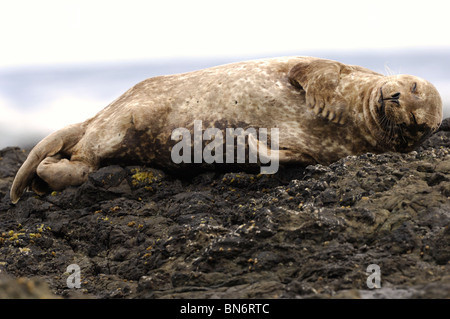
<point x="60" y="173"/>
<point x="60" y="141"/>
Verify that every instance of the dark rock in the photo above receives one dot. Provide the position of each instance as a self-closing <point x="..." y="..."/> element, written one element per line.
<point x="139" y="232"/>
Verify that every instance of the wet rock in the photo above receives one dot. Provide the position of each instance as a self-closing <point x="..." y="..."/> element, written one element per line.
<point x="139" y="232"/>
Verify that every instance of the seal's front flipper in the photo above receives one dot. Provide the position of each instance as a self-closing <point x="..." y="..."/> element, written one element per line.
<point x="284" y="156"/>
<point x="320" y="79"/>
<point x="60" y="173"/>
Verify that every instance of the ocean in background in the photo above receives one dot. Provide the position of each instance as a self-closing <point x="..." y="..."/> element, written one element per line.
<point x="38" y="100"/>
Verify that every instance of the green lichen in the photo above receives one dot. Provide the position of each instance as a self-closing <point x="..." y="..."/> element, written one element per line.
<point x="140" y="178"/>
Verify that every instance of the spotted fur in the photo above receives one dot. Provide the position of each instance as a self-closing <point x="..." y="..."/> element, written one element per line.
<point x="325" y="110"/>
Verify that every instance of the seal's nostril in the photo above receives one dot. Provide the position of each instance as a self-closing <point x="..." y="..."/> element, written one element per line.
<point x="396" y="95"/>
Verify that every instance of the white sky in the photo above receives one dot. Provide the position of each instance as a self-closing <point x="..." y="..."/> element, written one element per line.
<point x="73" y="31"/>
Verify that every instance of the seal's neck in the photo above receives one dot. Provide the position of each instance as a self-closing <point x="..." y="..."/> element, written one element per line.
<point x="365" y="108"/>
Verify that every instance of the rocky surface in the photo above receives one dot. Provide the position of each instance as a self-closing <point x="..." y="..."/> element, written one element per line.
<point x="136" y="232"/>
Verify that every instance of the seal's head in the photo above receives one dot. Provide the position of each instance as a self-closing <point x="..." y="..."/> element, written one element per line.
<point x="407" y="109"/>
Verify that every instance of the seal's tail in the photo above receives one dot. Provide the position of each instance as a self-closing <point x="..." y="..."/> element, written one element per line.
<point x="56" y="142"/>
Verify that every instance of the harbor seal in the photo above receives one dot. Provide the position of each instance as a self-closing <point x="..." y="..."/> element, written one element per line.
<point x="324" y="110"/>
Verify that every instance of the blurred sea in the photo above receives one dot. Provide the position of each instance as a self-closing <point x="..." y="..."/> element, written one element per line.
<point x="37" y="100"/>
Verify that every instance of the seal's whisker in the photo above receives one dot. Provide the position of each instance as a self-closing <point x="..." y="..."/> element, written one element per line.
<point x="400" y="133"/>
<point x="388" y="70"/>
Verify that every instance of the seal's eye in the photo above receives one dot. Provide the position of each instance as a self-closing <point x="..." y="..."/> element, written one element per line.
<point x="414" y="87"/>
